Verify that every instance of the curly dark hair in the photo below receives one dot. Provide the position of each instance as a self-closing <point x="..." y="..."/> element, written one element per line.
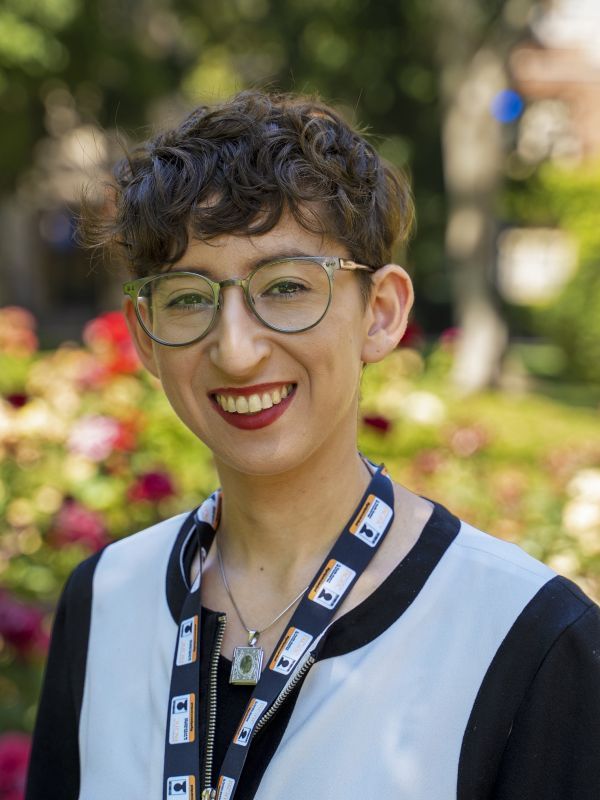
<point x="237" y="167"/>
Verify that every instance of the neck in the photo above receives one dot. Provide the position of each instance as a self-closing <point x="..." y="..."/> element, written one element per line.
<point x="283" y="525"/>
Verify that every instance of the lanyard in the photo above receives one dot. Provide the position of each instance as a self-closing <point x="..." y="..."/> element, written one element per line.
<point x="348" y="558"/>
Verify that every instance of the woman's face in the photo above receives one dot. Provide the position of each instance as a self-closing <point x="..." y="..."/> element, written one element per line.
<point x="240" y="357"/>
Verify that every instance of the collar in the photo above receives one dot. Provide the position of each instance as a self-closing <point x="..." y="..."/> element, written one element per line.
<point x="364" y="622"/>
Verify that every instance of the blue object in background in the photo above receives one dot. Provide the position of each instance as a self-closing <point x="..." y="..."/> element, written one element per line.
<point x="58" y="229"/>
<point x="507" y="106"/>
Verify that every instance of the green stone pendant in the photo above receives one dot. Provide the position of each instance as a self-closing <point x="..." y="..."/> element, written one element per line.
<point x="246" y="666"/>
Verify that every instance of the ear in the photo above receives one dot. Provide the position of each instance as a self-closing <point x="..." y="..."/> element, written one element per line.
<point x="143" y="343"/>
<point x="386" y="316"/>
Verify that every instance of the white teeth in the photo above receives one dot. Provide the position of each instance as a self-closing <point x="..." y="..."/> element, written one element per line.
<point x="255" y="402"/>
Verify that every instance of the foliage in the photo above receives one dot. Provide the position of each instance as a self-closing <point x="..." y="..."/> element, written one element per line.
<point x="91" y="452"/>
<point x="490" y="460"/>
<point x="568" y="199"/>
<point x="112" y="65"/>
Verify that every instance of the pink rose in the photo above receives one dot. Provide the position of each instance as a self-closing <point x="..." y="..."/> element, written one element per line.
<point x="428" y="461"/>
<point x="17" y="331"/>
<point x="94" y="436"/>
<point x="449" y="337"/>
<point x="468" y="440"/>
<point x="14" y="760"/>
<point x="74" y="523"/>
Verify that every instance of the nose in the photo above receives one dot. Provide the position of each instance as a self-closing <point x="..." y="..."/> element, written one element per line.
<point x="239" y="341"/>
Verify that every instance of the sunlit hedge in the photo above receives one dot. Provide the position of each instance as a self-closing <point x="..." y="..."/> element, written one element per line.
<point x="568" y="200"/>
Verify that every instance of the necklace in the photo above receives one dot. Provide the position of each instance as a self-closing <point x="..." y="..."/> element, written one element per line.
<point x="247" y="661"/>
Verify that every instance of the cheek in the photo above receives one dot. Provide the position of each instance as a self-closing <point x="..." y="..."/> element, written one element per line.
<point x="176" y="375"/>
<point x="335" y="353"/>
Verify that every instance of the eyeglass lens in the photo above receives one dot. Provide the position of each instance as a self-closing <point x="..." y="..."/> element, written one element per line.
<point x="289" y="296"/>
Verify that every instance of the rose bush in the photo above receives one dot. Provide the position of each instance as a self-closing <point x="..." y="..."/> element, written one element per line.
<point x="89" y="452"/>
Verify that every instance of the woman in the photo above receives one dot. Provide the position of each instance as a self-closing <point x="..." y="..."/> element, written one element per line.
<point x="314" y="629"/>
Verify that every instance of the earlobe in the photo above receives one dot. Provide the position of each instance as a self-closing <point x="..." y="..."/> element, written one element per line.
<point x="387" y="313"/>
<point x="141" y="341"/>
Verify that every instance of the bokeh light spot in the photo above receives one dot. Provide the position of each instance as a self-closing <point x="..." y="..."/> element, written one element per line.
<point x="507" y="106"/>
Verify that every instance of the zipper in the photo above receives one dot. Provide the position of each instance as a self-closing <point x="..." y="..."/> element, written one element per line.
<point x="280" y="699"/>
<point x="208" y="793"/>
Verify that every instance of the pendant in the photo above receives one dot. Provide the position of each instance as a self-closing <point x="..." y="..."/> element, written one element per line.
<point x="247" y="663"/>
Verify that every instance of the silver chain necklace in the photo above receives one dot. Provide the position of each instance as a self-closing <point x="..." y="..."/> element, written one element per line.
<point x="247" y="661"/>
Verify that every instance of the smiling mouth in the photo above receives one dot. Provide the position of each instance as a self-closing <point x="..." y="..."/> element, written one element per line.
<point x="255" y="403"/>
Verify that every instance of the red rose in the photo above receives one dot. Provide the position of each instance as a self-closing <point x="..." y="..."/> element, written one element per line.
<point x="17" y="399"/>
<point x="21" y="626"/>
<point x="108" y="338"/>
<point x="151" y="486"/>
<point x="127" y="436"/>
<point x="414" y="336"/>
<point x="14" y="760"/>
<point x="109" y="327"/>
<point x="377" y="422"/>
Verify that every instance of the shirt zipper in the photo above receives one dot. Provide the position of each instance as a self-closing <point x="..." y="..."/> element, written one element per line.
<point x="208" y="793"/>
<point x="280" y="699"/>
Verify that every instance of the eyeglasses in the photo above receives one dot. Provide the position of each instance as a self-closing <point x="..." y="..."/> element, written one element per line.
<point x="289" y="295"/>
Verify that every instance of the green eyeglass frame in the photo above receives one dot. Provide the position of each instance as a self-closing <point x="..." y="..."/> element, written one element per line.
<point x="330" y="264"/>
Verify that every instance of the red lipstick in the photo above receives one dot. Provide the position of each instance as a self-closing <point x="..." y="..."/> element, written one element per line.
<point x="257" y="419"/>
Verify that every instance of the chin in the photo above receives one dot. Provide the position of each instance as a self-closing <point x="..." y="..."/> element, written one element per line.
<point x="265" y="462"/>
<point x="275" y="450"/>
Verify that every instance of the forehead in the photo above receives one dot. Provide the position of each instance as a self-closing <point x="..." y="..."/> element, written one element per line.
<point x="233" y="255"/>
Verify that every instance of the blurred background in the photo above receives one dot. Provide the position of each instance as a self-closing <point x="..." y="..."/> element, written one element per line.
<point x="492" y="403"/>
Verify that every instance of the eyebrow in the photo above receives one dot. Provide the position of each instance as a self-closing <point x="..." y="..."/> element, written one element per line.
<point x="211" y="274"/>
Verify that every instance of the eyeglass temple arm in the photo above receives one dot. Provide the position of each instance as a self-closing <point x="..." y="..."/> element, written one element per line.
<point x="346" y="263"/>
<point x="131" y="287"/>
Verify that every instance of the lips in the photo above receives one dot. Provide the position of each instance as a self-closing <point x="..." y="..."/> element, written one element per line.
<point x="252" y="407"/>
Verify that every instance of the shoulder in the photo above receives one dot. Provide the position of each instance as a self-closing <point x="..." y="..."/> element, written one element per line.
<point x="509" y="571"/>
<point x="478" y="550"/>
<point x="139" y="571"/>
<point x="539" y="696"/>
<point x="546" y="619"/>
<point x="126" y="560"/>
<point x="485" y="570"/>
<point x="487" y="588"/>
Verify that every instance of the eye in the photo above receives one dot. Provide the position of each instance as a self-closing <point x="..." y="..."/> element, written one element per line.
<point x="287" y="287"/>
<point x="192" y="301"/>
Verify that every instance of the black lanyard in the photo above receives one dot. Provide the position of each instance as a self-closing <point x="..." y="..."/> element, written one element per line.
<point x="349" y="556"/>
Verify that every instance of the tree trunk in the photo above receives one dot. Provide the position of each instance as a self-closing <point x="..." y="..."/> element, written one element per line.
<point x="471" y="74"/>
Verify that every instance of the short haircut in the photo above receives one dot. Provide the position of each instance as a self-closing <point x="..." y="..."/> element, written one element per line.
<point x="236" y="167"/>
